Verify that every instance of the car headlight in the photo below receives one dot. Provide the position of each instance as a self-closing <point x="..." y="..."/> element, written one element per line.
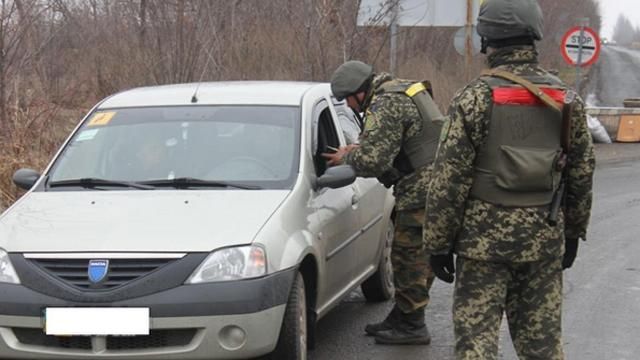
<point x="7" y="272"/>
<point x="236" y="263"/>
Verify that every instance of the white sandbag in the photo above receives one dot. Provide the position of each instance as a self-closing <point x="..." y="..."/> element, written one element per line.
<point x="598" y="131"/>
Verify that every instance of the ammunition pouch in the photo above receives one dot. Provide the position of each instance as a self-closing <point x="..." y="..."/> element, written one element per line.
<point x="527" y="169"/>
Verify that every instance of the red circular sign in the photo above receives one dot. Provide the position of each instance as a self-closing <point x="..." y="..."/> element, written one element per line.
<point x="571" y="42"/>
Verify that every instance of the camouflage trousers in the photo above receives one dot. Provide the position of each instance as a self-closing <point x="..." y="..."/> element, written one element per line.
<point x="529" y="293"/>
<point x="412" y="275"/>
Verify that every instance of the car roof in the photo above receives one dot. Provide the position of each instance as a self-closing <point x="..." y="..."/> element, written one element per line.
<point x="287" y="93"/>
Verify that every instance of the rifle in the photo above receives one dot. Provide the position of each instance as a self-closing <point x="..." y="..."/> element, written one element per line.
<point x="561" y="165"/>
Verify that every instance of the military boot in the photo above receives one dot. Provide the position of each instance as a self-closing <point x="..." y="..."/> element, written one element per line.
<point x="410" y="330"/>
<point x="386" y="324"/>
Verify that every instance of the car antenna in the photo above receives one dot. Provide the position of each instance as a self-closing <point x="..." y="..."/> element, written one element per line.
<point x="194" y="98"/>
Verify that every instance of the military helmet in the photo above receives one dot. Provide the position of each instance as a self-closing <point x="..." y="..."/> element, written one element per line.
<point x="505" y="19"/>
<point x="350" y="78"/>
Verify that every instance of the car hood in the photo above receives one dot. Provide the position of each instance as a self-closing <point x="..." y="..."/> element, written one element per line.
<point x="136" y="221"/>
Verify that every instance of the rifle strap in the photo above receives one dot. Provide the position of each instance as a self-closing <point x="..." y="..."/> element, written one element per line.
<point x="533" y="88"/>
<point x="567" y="114"/>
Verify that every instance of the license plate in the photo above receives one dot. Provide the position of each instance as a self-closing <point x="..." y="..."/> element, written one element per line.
<point x="96" y="321"/>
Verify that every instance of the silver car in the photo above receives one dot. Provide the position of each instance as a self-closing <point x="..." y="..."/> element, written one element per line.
<point x="194" y="221"/>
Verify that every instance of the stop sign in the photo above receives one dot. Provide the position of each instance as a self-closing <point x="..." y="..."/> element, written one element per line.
<point x="573" y="40"/>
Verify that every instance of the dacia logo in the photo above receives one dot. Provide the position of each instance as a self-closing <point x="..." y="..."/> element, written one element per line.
<point x="98" y="270"/>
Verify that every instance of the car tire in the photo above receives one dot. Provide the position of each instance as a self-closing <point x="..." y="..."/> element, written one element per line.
<point x="292" y="343"/>
<point x="379" y="286"/>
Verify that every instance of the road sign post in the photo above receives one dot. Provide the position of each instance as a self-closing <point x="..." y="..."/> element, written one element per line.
<point x="579" y="63"/>
<point x="580" y="47"/>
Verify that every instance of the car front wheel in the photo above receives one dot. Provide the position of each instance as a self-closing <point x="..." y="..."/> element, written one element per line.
<point x="379" y="287"/>
<point x="292" y="344"/>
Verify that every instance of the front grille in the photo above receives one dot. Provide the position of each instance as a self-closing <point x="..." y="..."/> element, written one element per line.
<point x="121" y="271"/>
<point x="155" y="339"/>
<point x="29" y="336"/>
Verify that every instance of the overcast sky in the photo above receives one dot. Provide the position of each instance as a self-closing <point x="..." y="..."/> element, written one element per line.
<point x="611" y="9"/>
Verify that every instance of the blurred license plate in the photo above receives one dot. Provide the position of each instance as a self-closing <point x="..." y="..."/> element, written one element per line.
<point x="97" y="321"/>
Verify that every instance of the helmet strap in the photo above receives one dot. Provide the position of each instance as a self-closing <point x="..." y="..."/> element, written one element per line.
<point x="360" y="103"/>
<point x="360" y="120"/>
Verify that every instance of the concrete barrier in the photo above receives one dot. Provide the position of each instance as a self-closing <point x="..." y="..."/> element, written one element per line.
<point x="610" y="118"/>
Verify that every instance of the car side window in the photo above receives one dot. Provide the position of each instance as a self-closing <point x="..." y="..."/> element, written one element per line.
<point x="326" y="137"/>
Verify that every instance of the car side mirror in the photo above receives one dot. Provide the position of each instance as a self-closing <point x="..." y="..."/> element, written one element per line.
<point x="336" y="177"/>
<point x="25" y="178"/>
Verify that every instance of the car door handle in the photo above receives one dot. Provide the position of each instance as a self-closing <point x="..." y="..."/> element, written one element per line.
<point x="355" y="199"/>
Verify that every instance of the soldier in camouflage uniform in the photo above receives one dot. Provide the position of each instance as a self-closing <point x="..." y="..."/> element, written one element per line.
<point x="496" y="180"/>
<point x="398" y="145"/>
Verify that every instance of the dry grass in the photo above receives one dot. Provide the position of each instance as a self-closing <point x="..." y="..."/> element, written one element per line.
<point x="31" y="144"/>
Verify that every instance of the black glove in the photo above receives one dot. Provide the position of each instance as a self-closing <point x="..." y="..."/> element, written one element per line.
<point x="390" y="178"/>
<point x="442" y="266"/>
<point x="570" y="252"/>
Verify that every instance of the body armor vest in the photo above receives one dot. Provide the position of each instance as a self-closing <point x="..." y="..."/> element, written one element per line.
<point x="518" y="164"/>
<point x="419" y="150"/>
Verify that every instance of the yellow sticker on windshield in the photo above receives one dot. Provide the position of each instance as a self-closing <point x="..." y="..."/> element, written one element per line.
<point x="101" y="118"/>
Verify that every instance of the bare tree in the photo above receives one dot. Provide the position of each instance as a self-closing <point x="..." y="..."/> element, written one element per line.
<point x="58" y="57"/>
<point x="623" y="32"/>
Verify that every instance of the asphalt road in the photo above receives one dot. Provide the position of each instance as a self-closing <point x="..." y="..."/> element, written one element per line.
<point x="601" y="309"/>
<point x="617" y="76"/>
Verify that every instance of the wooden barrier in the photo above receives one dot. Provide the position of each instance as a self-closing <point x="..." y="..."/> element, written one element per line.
<point x="611" y="118"/>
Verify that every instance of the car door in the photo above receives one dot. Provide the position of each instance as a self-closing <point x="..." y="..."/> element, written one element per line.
<point x="370" y="198"/>
<point x="334" y="210"/>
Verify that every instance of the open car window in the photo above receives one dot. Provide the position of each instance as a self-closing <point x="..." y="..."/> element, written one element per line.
<point x="325" y="136"/>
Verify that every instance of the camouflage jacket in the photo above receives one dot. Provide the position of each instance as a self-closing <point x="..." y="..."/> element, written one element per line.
<point x="481" y="230"/>
<point x="390" y="119"/>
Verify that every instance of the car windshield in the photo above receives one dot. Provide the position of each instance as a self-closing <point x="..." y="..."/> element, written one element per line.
<point x="249" y="147"/>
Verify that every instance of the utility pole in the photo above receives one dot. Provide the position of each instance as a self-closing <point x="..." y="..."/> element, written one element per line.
<point x="468" y="42"/>
<point x="308" y="69"/>
<point x="393" y="41"/>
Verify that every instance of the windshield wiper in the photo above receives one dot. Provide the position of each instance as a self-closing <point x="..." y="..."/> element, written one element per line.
<point x="188" y="182"/>
<point x="91" y="183"/>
